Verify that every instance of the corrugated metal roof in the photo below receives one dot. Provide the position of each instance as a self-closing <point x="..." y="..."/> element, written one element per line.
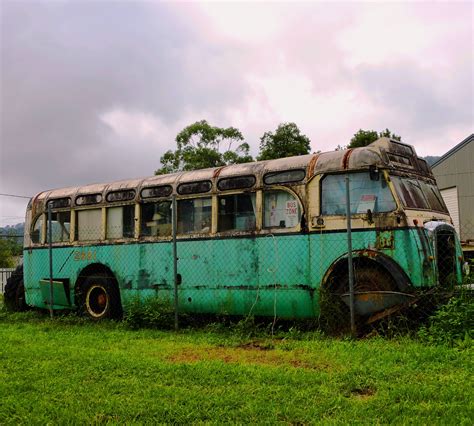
<point x="452" y="151"/>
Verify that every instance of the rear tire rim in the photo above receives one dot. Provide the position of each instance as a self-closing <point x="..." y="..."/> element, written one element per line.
<point x="97" y="301"/>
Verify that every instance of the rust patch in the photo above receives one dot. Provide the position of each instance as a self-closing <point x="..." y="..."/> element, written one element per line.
<point x="218" y="171"/>
<point x="345" y="159"/>
<point x="312" y="165"/>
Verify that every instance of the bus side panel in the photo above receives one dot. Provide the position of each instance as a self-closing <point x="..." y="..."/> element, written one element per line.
<point x="258" y="276"/>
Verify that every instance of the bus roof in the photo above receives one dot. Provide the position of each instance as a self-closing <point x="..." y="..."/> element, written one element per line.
<point x="383" y="153"/>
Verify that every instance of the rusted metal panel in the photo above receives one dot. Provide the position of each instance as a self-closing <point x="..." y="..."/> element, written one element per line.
<point x="370" y="302"/>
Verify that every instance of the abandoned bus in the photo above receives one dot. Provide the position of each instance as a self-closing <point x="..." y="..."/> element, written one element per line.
<point x="260" y="238"/>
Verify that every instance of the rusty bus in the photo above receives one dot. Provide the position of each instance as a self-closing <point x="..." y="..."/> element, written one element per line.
<point x="112" y="242"/>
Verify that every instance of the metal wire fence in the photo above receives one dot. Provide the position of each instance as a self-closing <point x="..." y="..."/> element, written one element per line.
<point x="190" y="267"/>
<point x="281" y="274"/>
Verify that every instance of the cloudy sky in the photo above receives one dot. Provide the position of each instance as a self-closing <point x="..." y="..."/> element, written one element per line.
<point x="96" y="91"/>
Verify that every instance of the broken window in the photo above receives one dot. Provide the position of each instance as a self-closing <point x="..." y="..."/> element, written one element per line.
<point x="417" y="194"/>
<point x="60" y="227"/>
<point x="84" y="200"/>
<point x="60" y="203"/>
<point x="156" y="191"/>
<point x="365" y="194"/>
<point x="37" y="232"/>
<point x="287" y="176"/>
<point x="194" y="187"/>
<point x="156" y="219"/>
<point x="194" y="216"/>
<point x="121" y="222"/>
<point x="237" y="212"/>
<point x="89" y="225"/>
<point x="124" y="195"/>
<point x="280" y="210"/>
<point x="238" y="182"/>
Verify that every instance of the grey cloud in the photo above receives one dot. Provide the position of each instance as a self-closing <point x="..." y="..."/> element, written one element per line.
<point x="417" y="99"/>
<point x="64" y="64"/>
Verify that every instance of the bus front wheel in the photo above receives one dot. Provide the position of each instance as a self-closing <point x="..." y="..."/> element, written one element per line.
<point x="100" y="298"/>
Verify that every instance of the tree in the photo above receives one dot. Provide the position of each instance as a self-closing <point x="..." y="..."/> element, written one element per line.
<point x="199" y="146"/>
<point x="287" y="141"/>
<point x="366" y="137"/>
<point x="6" y="255"/>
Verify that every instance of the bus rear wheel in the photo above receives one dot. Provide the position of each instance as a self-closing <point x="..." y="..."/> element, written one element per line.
<point x="14" y="295"/>
<point x="100" y="298"/>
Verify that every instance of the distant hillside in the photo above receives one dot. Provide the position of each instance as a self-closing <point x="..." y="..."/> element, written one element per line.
<point x="14" y="231"/>
<point x="431" y="159"/>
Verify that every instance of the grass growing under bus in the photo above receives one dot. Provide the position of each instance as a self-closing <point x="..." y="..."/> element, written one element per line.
<point x="71" y="370"/>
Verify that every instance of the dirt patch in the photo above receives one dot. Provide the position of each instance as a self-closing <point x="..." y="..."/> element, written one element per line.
<point x="362" y="393"/>
<point x="250" y="354"/>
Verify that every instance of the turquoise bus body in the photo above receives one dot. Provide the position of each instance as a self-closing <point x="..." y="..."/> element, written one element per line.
<point x="263" y="275"/>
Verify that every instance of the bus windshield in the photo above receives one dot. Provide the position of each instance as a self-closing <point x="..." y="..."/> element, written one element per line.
<point x="366" y="194"/>
<point x="418" y="194"/>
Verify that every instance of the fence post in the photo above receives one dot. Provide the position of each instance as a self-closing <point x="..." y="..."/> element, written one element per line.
<point x="349" y="257"/>
<point x="175" y="260"/>
<point x="50" y="239"/>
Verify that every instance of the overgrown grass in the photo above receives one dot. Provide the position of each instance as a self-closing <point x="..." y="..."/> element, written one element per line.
<point x="71" y="370"/>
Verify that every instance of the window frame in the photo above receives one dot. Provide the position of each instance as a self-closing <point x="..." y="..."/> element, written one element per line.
<point x="211" y="232"/>
<point x="240" y="188"/>
<point x="106" y="225"/>
<point x="154" y="197"/>
<point x="233" y="193"/>
<point x="89" y="195"/>
<point x="71" y="221"/>
<point x="194" y="183"/>
<point x="382" y="176"/>
<point x="285" y="182"/>
<point x="272" y="229"/>
<point x="153" y="201"/>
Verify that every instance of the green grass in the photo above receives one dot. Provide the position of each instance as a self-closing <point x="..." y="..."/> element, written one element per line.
<point x="74" y="371"/>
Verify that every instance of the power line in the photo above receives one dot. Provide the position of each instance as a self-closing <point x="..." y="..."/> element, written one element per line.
<point x="15" y="196"/>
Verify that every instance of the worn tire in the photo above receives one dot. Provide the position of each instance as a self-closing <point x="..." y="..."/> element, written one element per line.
<point x="14" y="295"/>
<point x="99" y="297"/>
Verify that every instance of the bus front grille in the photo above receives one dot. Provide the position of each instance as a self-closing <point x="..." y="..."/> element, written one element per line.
<point x="446" y="255"/>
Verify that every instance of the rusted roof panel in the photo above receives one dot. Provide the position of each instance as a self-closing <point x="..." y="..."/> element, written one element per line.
<point x="359" y="158"/>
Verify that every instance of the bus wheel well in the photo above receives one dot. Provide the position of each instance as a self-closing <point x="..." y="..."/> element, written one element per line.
<point x="98" y="270"/>
<point x="378" y="274"/>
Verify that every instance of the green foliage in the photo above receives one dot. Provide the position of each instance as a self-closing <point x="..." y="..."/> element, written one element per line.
<point x="452" y="323"/>
<point x="57" y="372"/>
<point x="287" y="141"/>
<point x="8" y="249"/>
<point x="366" y="137"/>
<point x="149" y="313"/>
<point x="199" y="146"/>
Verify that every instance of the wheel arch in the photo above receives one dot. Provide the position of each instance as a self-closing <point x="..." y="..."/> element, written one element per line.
<point x="369" y="259"/>
<point x="89" y="270"/>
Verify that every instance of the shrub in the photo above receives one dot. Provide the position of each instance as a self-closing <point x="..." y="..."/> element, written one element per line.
<point x="149" y="313"/>
<point x="452" y="323"/>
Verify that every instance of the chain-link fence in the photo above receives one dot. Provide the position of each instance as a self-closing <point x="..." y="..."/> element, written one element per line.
<point x="278" y="272"/>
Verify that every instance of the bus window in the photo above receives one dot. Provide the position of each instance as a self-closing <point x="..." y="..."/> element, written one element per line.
<point x="89" y="225"/>
<point x="60" y="227"/>
<point x="366" y="194"/>
<point x="156" y="219"/>
<point x="237" y="212"/>
<point x="120" y="222"/>
<point x="37" y="233"/>
<point x="287" y="176"/>
<point x="418" y="194"/>
<point x="194" y="215"/>
<point x="281" y="210"/>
